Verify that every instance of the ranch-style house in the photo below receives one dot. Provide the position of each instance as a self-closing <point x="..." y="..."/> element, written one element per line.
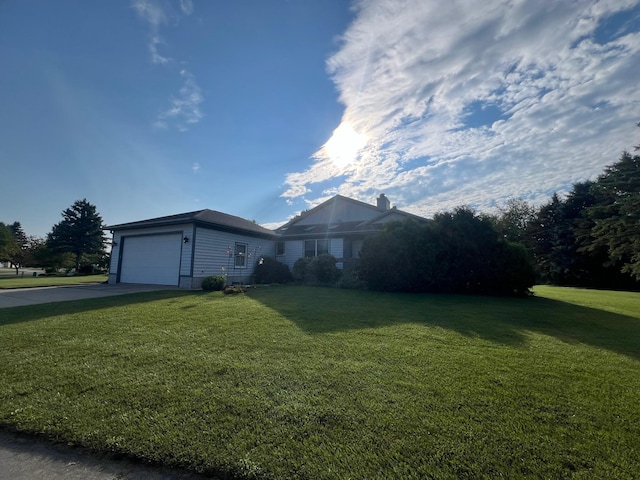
<point x="182" y="249"/>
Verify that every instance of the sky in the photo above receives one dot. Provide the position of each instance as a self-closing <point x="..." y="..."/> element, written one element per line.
<point x="265" y="108"/>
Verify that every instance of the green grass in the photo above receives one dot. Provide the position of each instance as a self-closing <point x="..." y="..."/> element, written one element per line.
<point x="624" y="303"/>
<point x="295" y="382"/>
<point x="30" y="281"/>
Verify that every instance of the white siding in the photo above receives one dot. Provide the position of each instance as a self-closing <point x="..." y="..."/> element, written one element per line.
<point x="293" y="250"/>
<point x="336" y="247"/>
<point x="211" y="256"/>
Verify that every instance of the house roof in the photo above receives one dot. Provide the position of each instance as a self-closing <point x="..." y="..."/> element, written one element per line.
<point x="393" y="212"/>
<point x="323" y="205"/>
<point x="206" y="218"/>
<point x="369" y="218"/>
<point x="372" y="219"/>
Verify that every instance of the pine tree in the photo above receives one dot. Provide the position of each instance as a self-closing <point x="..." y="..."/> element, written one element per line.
<point x="80" y="232"/>
<point x="616" y="216"/>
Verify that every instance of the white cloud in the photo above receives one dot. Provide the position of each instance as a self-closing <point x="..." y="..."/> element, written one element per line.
<point x="186" y="6"/>
<point x="154" y="41"/>
<point x="195" y="168"/>
<point x="184" y="109"/>
<point x="155" y="14"/>
<point x="409" y="73"/>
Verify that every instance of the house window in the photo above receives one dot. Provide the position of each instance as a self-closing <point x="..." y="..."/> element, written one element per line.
<point x="279" y="248"/>
<point x="322" y="246"/>
<point x="241" y="255"/>
<point x="309" y="248"/>
<point x="313" y="248"/>
<point x="355" y="248"/>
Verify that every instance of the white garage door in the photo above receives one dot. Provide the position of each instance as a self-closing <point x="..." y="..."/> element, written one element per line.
<point x="151" y="259"/>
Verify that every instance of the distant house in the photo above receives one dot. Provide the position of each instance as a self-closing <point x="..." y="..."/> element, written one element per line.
<point x="337" y="226"/>
<point x="182" y="249"/>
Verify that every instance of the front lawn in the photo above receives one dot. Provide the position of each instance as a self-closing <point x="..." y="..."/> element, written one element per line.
<point x="298" y="382"/>
<point x="42" y="281"/>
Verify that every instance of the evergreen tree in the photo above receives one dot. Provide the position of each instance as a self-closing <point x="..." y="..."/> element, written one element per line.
<point x="21" y="246"/>
<point x="616" y="215"/>
<point x="79" y="233"/>
<point x="7" y="243"/>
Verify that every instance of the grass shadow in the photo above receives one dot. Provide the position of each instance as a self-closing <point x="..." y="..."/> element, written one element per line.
<point x="36" y="312"/>
<point x="497" y="319"/>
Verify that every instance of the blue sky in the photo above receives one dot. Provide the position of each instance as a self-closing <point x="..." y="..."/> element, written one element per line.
<point x="265" y="108"/>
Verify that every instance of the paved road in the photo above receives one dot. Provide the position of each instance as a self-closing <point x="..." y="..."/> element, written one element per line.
<point x="19" y="297"/>
<point x="25" y="458"/>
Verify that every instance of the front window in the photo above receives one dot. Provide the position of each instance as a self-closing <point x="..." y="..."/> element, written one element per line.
<point x="280" y="248"/>
<point x="313" y="248"/>
<point x="322" y="247"/>
<point x="241" y="255"/>
<point x="309" y="248"/>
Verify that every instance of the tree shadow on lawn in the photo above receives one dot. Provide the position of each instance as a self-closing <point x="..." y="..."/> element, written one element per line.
<point x="502" y="320"/>
<point x="30" y="313"/>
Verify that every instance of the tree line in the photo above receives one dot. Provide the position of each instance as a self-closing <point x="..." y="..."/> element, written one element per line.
<point x="76" y="242"/>
<point x="588" y="238"/>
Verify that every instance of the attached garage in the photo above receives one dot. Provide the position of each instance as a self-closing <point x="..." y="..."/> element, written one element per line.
<point x="153" y="259"/>
<point x="183" y="249"/>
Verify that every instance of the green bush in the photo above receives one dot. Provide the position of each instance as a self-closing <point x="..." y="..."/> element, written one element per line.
<point x="269" y="270"/>
<point x="301" y="270"/>
<point x="350" y="277"/>
<point x="323" y="268"/>
<point x="213" y="283"/>
<point x="86" y="269"/>
<point x="458" y="252"/>
<point x="320" y="270"/>
<point x="233" y="290"/>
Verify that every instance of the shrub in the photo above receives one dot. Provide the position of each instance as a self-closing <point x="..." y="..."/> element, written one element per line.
<point x="457" y="252"/>
<point x="301" y="270"/>
<point x="323" y="268"/>
<point x="86" y="269"/>
<point x="213" y="283"/>
<point x="350" y="277"/>
<point x="518" y="273"/>
<point x="269" y="270"/>
<point x="316" y="270"/>
<point x="233" y="290"/>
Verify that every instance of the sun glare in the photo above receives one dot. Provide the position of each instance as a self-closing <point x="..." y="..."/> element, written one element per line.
<point x="343" y="146"/>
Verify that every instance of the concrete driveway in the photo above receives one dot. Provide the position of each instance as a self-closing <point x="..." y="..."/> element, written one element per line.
<point x="24" y="458"/>
<point x="20" y="297"/>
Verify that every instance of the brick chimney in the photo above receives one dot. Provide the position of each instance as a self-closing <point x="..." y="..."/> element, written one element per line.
<point x="383" y="202"/>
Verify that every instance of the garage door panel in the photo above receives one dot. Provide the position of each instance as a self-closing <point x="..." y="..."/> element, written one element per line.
<point x="153" y="259"/>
